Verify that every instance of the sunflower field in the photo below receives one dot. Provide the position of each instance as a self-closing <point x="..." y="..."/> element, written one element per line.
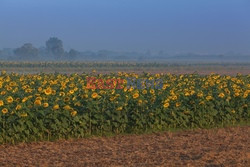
<point x="35" y="107"/>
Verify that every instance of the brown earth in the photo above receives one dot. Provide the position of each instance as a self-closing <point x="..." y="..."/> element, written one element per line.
<point x="208" y="148"/>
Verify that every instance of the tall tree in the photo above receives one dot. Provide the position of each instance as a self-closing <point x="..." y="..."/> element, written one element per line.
<point x="26" y="52"/>
<point x="55" y="47"/>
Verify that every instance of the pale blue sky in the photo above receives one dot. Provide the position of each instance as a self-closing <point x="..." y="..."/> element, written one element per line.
<point x="202" y="26"/>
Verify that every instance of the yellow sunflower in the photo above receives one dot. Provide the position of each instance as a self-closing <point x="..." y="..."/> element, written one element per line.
<point x="48" y="91"/>
<point x="25" y="99"/>
<point x="136" y="95"/>
<point x="152" y="91"/>
<point x="4" y="110"/>
<point x="67" y="107"/>
<point x="56" y="107"/>
<point x="71" y="91"/>
<point x="221" y="95"/>
<point x="45" y="105"/>
<point x="73" y="113"/>
<point x="177" y="104"/>
<point x="38" y="102"/>
<point x="1" y="103"/>
<point x="209" y="98"/>
<point x="18" y="107"/>
<point x="10" y="99"/>
<point x="166" y="105"/>
<point x="94" y="95"/>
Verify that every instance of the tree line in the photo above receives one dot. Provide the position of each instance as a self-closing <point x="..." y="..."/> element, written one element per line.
<point x="53" y="50"/>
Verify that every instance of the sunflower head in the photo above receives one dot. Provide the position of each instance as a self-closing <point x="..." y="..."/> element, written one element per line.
<point x="94" y="95"/>
<point x="1" y="103"/>
<point x="136" y="95"/>
<point x="10" y="99"/>
<point x="45" y="105"/>
<point x="37" y="102"/>
<point x="48" y="91"/>
<point x="4" y="110"/>
<point x="56" y="107"/>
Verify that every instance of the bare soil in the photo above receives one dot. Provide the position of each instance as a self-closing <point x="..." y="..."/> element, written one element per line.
<point x="208" y="148"/>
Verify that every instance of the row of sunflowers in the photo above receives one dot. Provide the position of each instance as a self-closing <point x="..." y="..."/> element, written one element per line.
<point x="36" y="107"/>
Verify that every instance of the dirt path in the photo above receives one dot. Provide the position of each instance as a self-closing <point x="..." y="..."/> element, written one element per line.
<point x="208" y="148"/>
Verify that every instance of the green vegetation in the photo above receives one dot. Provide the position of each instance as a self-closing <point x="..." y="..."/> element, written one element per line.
<point x="56" y="106"/>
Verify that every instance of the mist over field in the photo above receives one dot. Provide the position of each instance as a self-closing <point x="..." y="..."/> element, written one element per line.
<point x="131" y="30"/>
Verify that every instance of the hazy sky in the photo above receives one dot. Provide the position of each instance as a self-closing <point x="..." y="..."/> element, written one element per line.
<point x="202" y="26"/>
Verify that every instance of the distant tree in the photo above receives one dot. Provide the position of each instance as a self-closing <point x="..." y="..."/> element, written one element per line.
<point x="72" y="53"/>
<point x="55" y="47"/>
<point x="27" y="51"/>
